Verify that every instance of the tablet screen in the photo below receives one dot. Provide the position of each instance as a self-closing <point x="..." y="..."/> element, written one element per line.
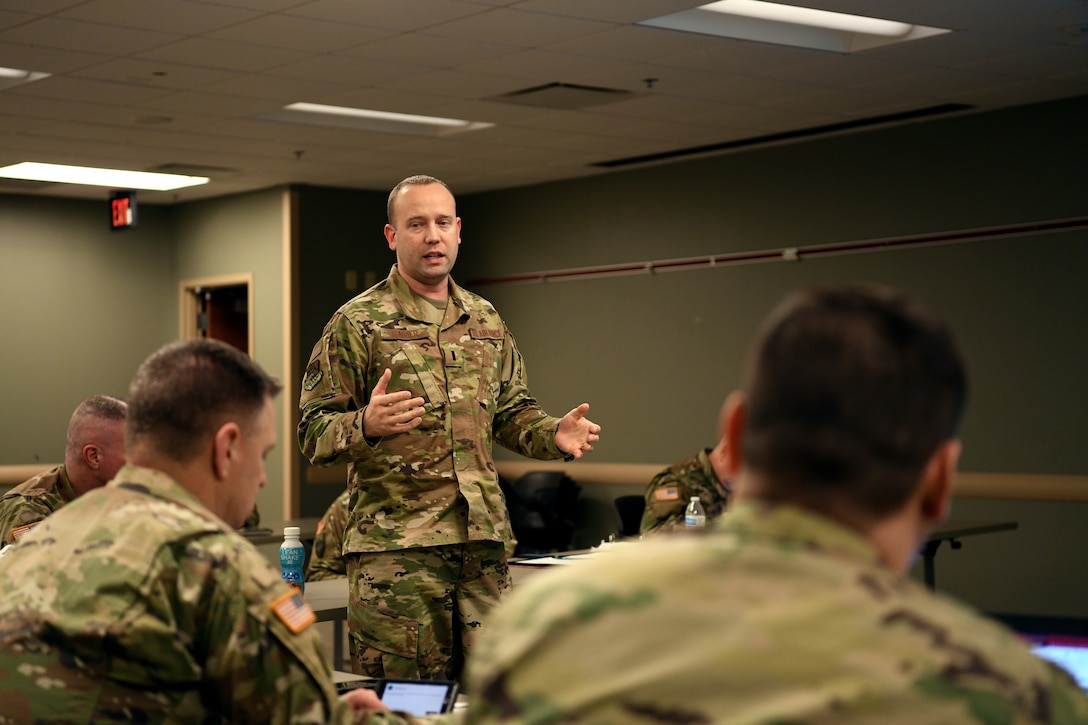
<point x="419" y="698"/>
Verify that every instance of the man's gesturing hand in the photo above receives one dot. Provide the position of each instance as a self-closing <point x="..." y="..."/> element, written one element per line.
<point x="577" y="433"/>
<point x="390" y="413"/>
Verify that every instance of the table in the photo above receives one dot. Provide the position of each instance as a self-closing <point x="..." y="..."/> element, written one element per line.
<point x="952" y="532"/>
<point x="329" y="600"/>
<point x="272" y="533"/>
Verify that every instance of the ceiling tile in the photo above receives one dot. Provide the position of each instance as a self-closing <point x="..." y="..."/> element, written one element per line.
<point x="212" y="53"/>
<point x="170" y="16"/>
<point x="76" y="35"/>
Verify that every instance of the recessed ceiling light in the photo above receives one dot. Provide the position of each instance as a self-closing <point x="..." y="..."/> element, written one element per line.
<point x="768" y="22"/>
<point x="90" y="176"/>
<point x="363" y="119"/>
<point x="11" y="77"/>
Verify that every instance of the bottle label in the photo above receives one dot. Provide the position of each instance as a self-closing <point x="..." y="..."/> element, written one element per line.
<point x="694" y="520"/>
<point x="291" y="563"/>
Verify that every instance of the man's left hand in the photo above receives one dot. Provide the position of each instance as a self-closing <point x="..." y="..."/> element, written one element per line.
<point x="577" y="433"/>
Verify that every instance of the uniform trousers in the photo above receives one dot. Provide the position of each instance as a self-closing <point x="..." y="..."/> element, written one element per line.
<point x="416" y="613"/>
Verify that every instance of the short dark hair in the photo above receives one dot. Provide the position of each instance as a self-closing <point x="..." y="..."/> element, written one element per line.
<point x="850" y="391"/>
<point x="417" y="180"/>
<point x="185" y="390"/>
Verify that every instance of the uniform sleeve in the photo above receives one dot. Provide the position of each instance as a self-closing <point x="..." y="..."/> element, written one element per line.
<point x="18" y="511"/>
<point x="668" y="494"/>
<point x="521" y="425"/>
<point x="334" y="393"/>
<point x="327" y="557"/>
<point x="261" y="660"/>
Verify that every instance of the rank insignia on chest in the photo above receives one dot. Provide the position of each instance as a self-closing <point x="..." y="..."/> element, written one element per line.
<point x="669" y="493"/>
<point x="294" y="611"/>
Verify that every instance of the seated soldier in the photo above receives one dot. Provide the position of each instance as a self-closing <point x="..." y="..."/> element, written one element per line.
<point x="327" y="557"/>
<point x="94" y="452"/>
<point x="139" y="602"/>
<point x="669" y="492"/>
<point x="795" y="607"/>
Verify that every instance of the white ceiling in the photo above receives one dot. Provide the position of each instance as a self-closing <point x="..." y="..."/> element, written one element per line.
<point x="140" y="84"/>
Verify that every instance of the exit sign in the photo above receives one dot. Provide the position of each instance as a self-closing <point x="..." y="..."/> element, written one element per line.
<point x="122" y="209"/>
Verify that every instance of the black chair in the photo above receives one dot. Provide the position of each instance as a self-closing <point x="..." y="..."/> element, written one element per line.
<point x="542" y="506"/>
<point x="630" y="509"/>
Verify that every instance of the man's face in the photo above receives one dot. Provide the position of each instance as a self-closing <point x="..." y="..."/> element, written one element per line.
<point x="425" y="232"/>
<point x="247" y="472"/>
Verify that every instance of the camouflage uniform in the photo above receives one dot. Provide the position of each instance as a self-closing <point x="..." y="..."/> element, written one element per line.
<point x="766" y="616"/>
<point x="433" y="486"/>
<point x="669" y="492"/>
<point x="33" y="500"/>
<point x="327" y="557"/>
<point x="135" y="603"/>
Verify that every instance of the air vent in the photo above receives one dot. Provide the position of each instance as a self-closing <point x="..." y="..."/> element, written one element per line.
<point x="564" y="96"/>
<point x="786" y="135"/>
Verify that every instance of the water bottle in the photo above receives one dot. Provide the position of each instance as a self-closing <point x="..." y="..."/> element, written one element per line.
<point x="695" y="514"/>
<point x="292" y="556"/>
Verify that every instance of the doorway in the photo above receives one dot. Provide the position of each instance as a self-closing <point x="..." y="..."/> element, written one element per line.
<point x="219" y="308"/>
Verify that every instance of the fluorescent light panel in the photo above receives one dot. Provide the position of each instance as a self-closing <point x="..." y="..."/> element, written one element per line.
<point x="768" y="22"/>
<point x="11" y="77"/>
<point x="363" y="119"/>
<point x="90" y="176"/>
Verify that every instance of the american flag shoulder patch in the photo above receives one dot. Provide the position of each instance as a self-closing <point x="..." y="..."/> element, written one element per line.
<point x="21" y="531"/>
<point x="669" y="493"/>
<point x="294" y="611"/>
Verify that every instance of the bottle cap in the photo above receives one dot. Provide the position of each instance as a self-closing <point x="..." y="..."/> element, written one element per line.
<point x="292" y="531"/>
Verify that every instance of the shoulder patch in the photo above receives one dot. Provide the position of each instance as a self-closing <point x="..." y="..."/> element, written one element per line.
<point x="669" y="493"/>
<point x="313" y="375"/>
<point x="21" y="531"/>
<point x="294" y="611"/>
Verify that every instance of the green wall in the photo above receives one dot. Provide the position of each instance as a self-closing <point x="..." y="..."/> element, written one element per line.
<point x="240" y="235"/>
<point x="339" y="230"/>
<point x="80" y="308"/>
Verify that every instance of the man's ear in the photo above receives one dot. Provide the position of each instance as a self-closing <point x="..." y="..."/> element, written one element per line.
<point x="92" y="456"/>
<point x="223" y="448"/>
<point x="733" y="417"/>
<point x="391" y="236"/>
<point x="938" y="480"/>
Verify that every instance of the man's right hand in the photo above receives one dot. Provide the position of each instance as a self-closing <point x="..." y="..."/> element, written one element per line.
<point x="390" y="413"/>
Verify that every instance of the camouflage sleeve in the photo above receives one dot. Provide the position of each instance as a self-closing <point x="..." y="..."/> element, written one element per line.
<point x="243" y="613"/>
<point x="668" y="494"/>
<point x="327" y="557"/>
<point x="16" y="511"/>
<point x="521" y="425"/>
<point x="334" y="392"/>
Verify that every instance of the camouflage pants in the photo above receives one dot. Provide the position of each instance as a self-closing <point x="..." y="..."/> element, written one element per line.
<point x="415" y="613"/>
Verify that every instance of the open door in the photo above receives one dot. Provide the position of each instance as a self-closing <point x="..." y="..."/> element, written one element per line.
<point x="219" y="308"/>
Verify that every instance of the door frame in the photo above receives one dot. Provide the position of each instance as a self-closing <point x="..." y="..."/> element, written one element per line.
<point x="189" y="307"/>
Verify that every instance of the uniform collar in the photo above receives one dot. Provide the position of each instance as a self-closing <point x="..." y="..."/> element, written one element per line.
<point x="793" y="527"/>
<point x="409" y="301"/>
<point x="156" y="484"/>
